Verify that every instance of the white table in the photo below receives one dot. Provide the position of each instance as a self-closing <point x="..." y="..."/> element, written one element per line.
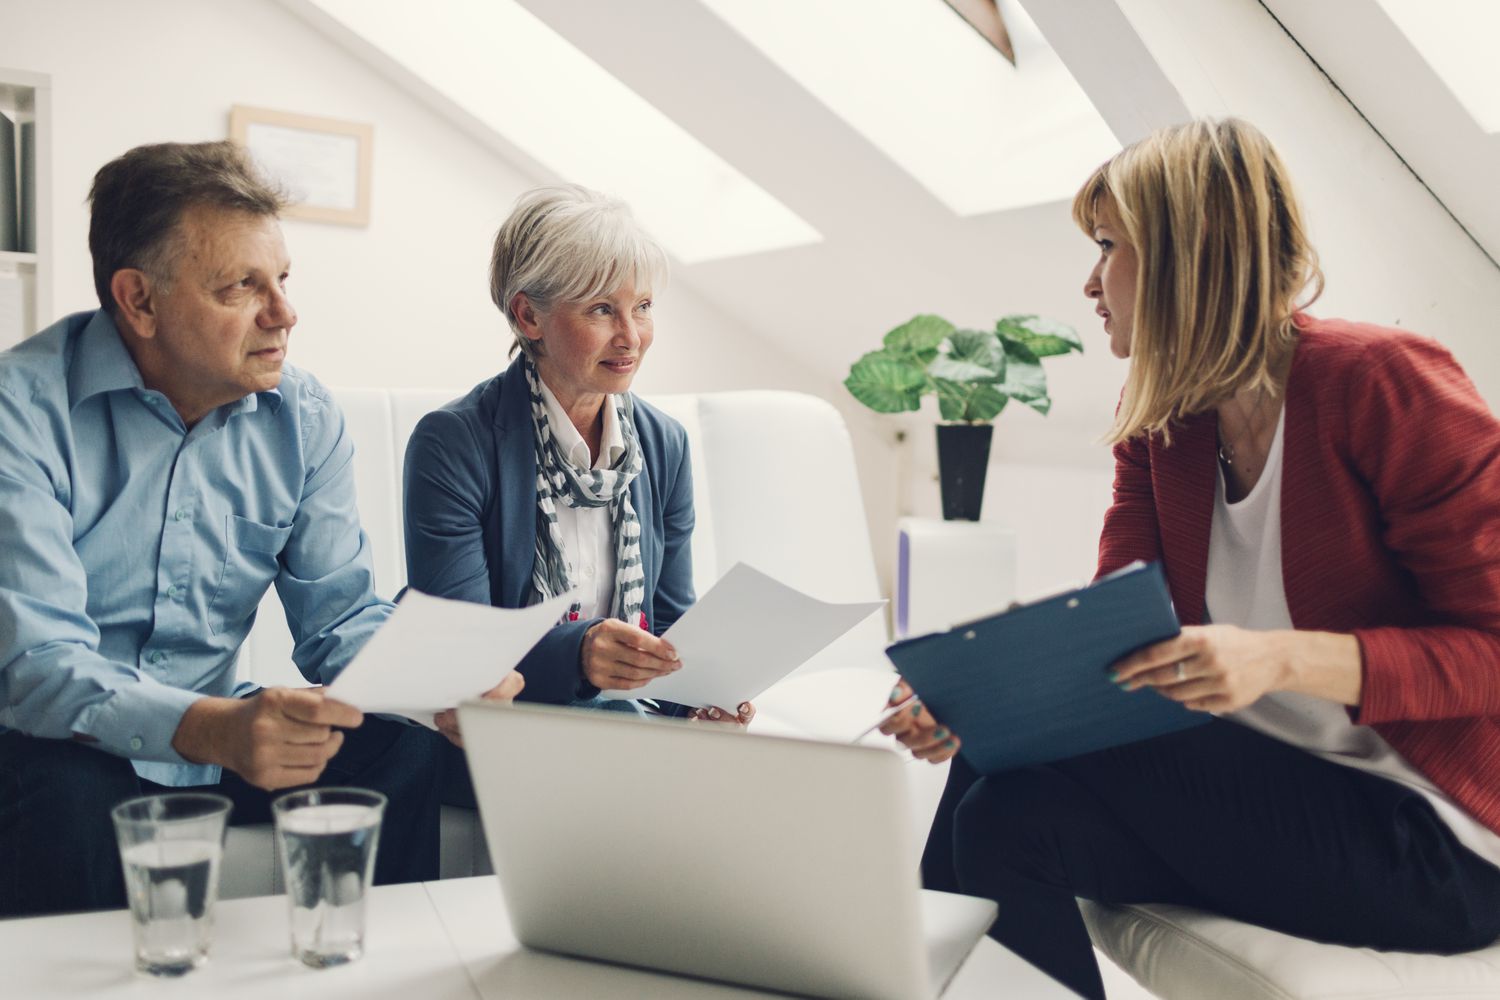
<point x="448" y="940"/>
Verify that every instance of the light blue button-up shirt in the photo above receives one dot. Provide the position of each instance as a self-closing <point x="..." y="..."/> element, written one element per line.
<point x="134" y="551"/>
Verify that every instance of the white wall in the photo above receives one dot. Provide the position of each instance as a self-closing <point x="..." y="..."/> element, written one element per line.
<point x="404" y="302"/>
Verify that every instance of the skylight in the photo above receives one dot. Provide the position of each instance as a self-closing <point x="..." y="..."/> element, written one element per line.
<point x="504" y="66"/>
<point x="921" y="85"/>
<point x="1457" y="39"/>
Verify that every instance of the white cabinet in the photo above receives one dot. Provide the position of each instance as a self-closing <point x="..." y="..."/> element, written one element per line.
<point x="951" y="571"/>
<point x="25" y="203"/>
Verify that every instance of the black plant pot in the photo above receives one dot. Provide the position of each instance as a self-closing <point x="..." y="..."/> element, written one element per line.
<point x="963" y="458"/>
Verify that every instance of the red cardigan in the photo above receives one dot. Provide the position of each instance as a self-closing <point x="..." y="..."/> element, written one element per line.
<point x="1390" y="529"/>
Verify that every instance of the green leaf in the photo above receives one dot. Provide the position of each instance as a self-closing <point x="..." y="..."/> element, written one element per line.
<point x="919" y="337"/>
<point x="886" y="383"/>
<point x="986" y="403"/>
<point x="1025" y="379"/>
<point x="1043" y="337"/>
<point x="982" y="347"/>
<point x="953" y="398"/>
<point x="959" y="371"/>
<point x="976" y="402"/>
<point x="1042" y="405"/>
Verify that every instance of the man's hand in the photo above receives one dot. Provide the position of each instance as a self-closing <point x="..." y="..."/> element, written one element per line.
<point x="447" y="720"/>
<point x="278" y="738"/>
<point x="617" y="656"/>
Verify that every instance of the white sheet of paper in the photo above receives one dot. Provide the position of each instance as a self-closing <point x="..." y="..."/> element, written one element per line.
<point x="748" y="632"/>
<point x="433" y="653"/>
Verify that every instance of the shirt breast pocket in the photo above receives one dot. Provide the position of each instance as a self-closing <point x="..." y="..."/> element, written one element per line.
<point x="250" y="565"/>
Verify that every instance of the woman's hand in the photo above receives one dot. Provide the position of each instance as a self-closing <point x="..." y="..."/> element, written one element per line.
<point x="447" y="720"/>
<point x="617" y="656"/>
<point x="917" y="730"/>
<point x="1209" y="668"/>
<point x="1224" y="668"/>
<point x="721" y="717"/>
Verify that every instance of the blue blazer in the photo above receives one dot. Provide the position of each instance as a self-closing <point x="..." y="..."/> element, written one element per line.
<point x="470" y="500"/>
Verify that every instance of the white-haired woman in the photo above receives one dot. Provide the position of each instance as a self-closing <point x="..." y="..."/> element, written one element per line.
<point x="552" y="476"/>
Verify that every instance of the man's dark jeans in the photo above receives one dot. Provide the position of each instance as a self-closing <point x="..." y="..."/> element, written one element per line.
<point x="57" y="843"/>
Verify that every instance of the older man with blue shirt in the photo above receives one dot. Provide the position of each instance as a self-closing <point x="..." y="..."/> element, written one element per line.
<point x="160" y="468"/>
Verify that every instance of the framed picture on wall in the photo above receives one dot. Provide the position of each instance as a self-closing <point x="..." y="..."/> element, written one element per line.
<point x="322" y="163"/>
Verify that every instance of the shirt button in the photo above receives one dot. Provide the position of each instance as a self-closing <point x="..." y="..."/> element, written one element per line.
<point x="181" y="515"/>
<point x="174" y="591"/>
<point x="135" y="743"/>
<point x="157" y="656"/>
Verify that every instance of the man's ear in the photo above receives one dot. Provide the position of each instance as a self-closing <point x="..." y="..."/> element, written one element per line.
<point x="525" y="312"/>
<point x="135" y="301"/>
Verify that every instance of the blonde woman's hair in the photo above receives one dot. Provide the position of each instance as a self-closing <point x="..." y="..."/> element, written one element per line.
<point x="566" y="244"/>
<point x="1224" y="263"/>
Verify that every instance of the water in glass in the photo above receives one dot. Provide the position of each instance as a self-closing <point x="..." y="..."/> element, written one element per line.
<point x="172" y="885"/>
<point x="330" y="853"/>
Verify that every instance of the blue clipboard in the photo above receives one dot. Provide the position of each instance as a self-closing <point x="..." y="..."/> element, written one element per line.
<point x="1031" y="685"/>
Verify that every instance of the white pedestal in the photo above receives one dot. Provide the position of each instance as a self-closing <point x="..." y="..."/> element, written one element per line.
<point x="951" y="571"/>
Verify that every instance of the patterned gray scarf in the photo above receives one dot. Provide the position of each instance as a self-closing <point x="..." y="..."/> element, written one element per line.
<point x="559" y="479"/>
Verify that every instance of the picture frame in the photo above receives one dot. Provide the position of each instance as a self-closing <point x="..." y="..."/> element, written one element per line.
<point x="323" y="164"/>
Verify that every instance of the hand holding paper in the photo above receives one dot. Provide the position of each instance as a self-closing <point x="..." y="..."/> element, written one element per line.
<point x="433" y="653"/>
<point x="719" y="667"/>
<point x="617" y="655"/>
<point x="446" y="721"/>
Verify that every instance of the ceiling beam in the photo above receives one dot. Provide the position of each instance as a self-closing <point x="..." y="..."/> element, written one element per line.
<point x="1102" y="49"/>
<point x="705" y="76"/>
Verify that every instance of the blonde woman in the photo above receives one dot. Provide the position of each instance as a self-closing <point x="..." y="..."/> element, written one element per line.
<point x="1325" y="499"/>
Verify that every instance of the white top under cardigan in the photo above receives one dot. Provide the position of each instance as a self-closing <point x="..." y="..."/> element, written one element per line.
<point x="1245" y="588"/>
<point x="588" y="533"/>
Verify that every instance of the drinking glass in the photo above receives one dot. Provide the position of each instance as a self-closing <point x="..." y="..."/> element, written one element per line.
<point x="170" y="848"/>
<point x="328" y="838"/>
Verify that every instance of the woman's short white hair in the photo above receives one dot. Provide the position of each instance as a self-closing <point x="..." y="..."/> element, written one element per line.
<point x="566" y="244"/>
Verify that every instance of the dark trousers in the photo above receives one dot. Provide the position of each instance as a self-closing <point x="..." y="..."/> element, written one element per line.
<point x="457" y="786"/>
<point x="57" y="842"/>
<point x="1220" y="818"/>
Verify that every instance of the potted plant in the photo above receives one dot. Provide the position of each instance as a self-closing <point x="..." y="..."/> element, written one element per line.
<point x="974" y="374"/>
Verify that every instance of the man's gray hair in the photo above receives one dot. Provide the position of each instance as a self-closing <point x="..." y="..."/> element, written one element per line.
<point x="139" y="198"/>
<point x="566" y="244"/>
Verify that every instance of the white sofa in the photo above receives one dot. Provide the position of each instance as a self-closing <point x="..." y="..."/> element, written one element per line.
<point x="757" y="459"/>
<point x="1182" y="954"/>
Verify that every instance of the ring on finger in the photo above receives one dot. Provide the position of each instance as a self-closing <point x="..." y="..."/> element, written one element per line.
<point x="1182" y="670"/>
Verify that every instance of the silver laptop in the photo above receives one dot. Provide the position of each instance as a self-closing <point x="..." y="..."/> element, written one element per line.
<point x="777" y="863"/>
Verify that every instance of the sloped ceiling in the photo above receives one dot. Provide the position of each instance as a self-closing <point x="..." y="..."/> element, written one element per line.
<point x="889" y="248"/>
<point x="1381" y="72"/>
